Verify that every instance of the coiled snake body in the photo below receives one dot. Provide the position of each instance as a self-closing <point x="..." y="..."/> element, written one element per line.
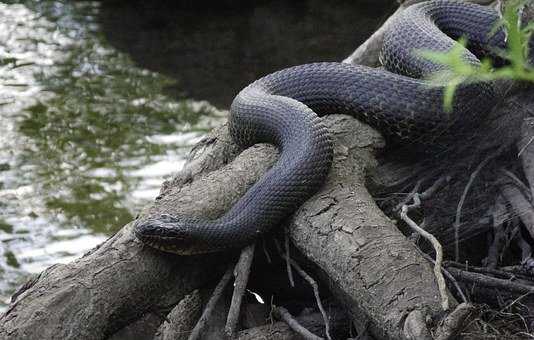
<point x="283" y="108"/>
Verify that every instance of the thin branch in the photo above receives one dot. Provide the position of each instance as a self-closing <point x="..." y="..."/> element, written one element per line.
<point x="288" y="265"/>
<point x="491" y="282"/>
<point x="499" y="273"/>
<point x="499" y="215"/>
<point x="472" y="178"/>
<point x="282" y="314"/>
<point x="210" y="306"/>
<point x="442" y="286"/>
<point x="519" y="183"/>
<point x="521" y="207"/>
<point x="450" y="277"/>
<point x="241" y="273"/>
<point x="410" y="196"/>
<point x="315" y="288"/>
<point x="265" y="251"/>
<point x="439" y="255"/>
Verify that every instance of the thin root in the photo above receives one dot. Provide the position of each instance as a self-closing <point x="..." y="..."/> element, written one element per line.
<point x="210" y="306"/>
<point x="241" y="273"/>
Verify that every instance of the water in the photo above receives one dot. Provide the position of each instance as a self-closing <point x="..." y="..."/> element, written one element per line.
<point x="100" y="101"/>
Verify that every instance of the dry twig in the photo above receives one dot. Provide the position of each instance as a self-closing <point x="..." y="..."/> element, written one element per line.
<point x="288" y="265"/>
<point x="312" y="283"/>
<point x="215" y="296"/>
<point x="450" y="277"/>
<point x="472" y="178"/>
<point x="241" y="273"/>
<point x="490" y="282"/>
<point x="282" y="314"/>
<point x="431" y="238"/>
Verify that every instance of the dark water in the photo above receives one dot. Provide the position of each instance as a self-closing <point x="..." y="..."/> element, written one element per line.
<point x="100" y="101"/>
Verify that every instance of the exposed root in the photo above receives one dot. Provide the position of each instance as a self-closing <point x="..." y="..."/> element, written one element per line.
<point x="526" y="151"/>
<point x="265" y="251"/>
<point x="281" y="313"/>
<point x="241" y="273"/>
<point x="450" y="277"/>
<point x="315" y="288"/>
<point x="435" y="243"/>
<point x="499" y="273"/>
<point x="415" y="326"/>
<point x="217" y="293"/>
<point x="491" y="282"/>
<point x="499" y="215"/>
<point x="453" y="323"/>
<point x="288" y="264"/>
<point x="457" y="220"/>
<point x="521" y="205"/>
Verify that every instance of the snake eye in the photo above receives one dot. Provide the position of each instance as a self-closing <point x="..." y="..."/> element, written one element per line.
<point x="166" y="218"/>
<point x="163" y="232"/>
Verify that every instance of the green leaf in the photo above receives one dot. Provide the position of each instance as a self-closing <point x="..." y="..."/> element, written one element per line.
<point x="460" y="71"/>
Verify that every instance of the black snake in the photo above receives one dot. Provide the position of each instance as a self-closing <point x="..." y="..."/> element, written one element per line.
<point x="283" y="108"/>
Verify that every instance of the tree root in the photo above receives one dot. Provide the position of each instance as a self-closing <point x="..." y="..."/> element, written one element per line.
<point x="369" y="267"/>
<point x="282" y="314"/>
<point x="241" y="273"/>
<point x="416" y="197"/>
<point x="312" y="283"/>
<point x="216" y="295"/>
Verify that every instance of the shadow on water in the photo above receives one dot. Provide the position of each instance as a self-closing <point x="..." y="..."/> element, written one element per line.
<point x="214" y="50"/>
<point x="100" y="100"/>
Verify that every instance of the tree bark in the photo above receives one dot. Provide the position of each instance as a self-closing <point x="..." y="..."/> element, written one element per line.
<point x="378" y="273"/>
<point x="372" y="270"/>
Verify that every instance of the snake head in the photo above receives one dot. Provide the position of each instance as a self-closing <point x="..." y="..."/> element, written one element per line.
<point x="164" y="232"/>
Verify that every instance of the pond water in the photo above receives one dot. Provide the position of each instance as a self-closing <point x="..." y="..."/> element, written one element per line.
<point x="99" y="102"/>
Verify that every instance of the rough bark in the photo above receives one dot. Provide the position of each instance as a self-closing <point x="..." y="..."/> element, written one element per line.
<point x="370" y="267"/>
<point x="373" y="268"/>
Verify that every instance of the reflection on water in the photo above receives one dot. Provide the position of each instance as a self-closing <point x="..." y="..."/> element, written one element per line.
<point x="215" y="53"/>
<point x="87" y="133"/>
<point x="85" y="136"/>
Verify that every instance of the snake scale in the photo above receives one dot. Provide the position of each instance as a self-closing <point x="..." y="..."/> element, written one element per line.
<point x="284" y="108"/>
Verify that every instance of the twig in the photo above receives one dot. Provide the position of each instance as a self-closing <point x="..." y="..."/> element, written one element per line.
<point x="499" y="273"/>
<point x="288" y="265"/>
<point x="491" y="282"/>
<point x="410" y="196"/>
<point x="282" y="314"/>
<point x="439" y="255"/>
<point x="241" y="273"/>
<point x="450" y="277"/>
<point x="472" y="178"/>
<point x="525" y="146"/>
<point x="520" y="205"/>
<point x="526" y="250"/>
<point x="265" y="251"/>
<point x="315" y="288"/>
<point x="217" y="293"/>
<point x="435" y="243"/>
<point x="519" y="183"/>
<point x="313" y="322"/>
<point x="499" y="215"/>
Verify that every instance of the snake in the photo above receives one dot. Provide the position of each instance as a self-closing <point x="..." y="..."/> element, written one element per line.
<point x="284" y="108"/>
